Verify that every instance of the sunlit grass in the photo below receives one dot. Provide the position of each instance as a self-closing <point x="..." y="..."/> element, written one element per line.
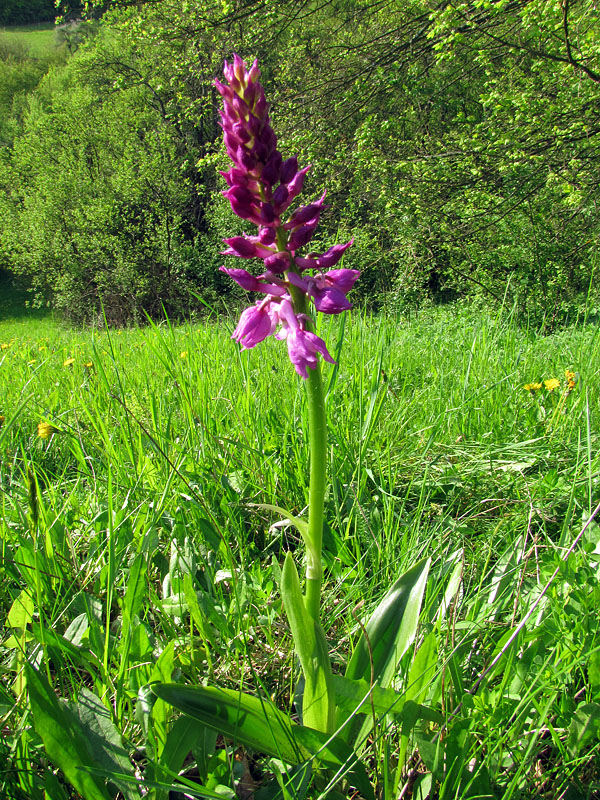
<point x="38" y="39"/>
<point x="158" y="442"/>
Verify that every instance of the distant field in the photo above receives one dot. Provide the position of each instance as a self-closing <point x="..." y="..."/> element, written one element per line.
<point x="38" y="38"/>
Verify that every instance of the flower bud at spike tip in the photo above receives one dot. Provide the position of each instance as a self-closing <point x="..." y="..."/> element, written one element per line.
<point x="261" y="187"/>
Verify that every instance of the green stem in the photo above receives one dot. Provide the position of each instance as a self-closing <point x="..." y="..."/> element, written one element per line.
<point x="316" y="494"/>
<point x="317" y="422"/>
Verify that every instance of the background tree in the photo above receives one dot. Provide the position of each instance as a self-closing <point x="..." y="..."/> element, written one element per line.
<point x="463" y="139"/>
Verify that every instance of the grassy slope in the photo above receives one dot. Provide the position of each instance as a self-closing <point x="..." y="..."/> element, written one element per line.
<point x="436" y="448"/>
<point x="39" y="39"/>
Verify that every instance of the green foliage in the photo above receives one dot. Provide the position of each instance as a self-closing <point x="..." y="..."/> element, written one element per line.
<point x="148" y="561"/>
<point x="97" y="206"/>
<point x="459" y="146"/>
<point x="16" y="12"/>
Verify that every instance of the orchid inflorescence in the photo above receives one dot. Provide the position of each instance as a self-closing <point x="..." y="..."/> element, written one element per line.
<point x="262" y="187"/>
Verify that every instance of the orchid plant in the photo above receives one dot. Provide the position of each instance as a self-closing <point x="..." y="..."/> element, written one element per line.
<point x="337" y="713"/>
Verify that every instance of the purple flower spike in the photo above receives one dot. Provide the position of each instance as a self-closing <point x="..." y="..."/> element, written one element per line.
<point x="245" y="280"/>
<point x="256" y="323"/>
<point x="306" y="214"/>
<point x="252" y="284"/>
<point x="278" y="262"/>
<point x="267" y="235"/>
<point x="342" y="279"/>
<point x="261" y="187"/>
<point x="330" y="300"/>
<point x="300" y="237"/>
<point x="294" y="187"/>
<point x="303" y="347"/>
<point x="244" y="248"/>
<point x="333" y="255"/>
<point x="288" y="169"/>
<point x="328" y="290"/>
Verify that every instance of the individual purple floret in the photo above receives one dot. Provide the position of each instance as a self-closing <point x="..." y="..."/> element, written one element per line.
<point x="261" y="188"/>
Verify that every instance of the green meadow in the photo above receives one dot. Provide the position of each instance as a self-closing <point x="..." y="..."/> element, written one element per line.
<point x="38" y="39"/>
<point x="145" y="451"/>
<point x="217" y="579"/>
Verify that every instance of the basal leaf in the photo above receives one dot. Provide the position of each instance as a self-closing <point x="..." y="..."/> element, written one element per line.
<point x="63" y="737"/>
<point x="253" y="721"/>
<point x="261" y="726"/>
<point x="359" y="697"/>
<point x="390" y="632"/>
<point x="391" y="629"/>
<point x="103" y="739"/>
<point x="185" y="734"/>
<point x="422" y="669"/>
<point x="584" y="728"/>
<point x="318" y="704"/>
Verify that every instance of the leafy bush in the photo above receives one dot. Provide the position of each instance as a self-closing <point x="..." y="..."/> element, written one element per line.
<point x="16" y="12"/>
<point x="97" y="212"/>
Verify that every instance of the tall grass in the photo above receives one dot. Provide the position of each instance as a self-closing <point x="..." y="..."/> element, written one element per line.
<point x="165" y="437"/>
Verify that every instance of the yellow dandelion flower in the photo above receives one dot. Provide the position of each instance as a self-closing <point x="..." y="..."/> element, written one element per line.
<point x="68" y="362"/>
<point x="88" y="364"/>
<point x="551" y="384"/>
<point x="532" y="387"/>
<point x="570" y="376"/>
<point x="4" y="346"/>
<point x="31" y="363"/>
<point x="183" y="354"/>
<point x="45" y="430"/>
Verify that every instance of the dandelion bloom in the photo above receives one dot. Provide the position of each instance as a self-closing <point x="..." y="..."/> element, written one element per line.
<point x="551" y="384"/>
<point x="570" y="376"/>
<point x="532" y="387"/>
<point x="45" y="430"/>
<point x="183" y="354"/>
<point x="68" y="362"/>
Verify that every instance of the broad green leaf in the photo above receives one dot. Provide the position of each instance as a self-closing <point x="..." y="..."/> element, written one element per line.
<point x="422" y="669"/>
<point x="337" y="756"/>
<point x="422" y="787"/>
<point x="453" y="585"/>
<point x="77" y="630"/>
<point x="360" y="697"/>
<point x="253" y="721"/>
<point x="261" y="726"/>
<point x="63" y="737"/>
<point x="584" y="728"/>
<point x="318" y="703"/>
<point x="21" y="611"/>
<point x="186" y="734"/>
<point x="162" y="671"/>
<point x="103" y="740"/>
<point x="50" y="638"/>
<point x="391" y="629"/>
<point x="593" y="670"/>
<point x="136" y="592"/>
<point x="390" y="632"/>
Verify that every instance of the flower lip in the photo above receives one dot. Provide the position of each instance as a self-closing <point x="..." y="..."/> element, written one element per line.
<point x="255" y="324"/>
